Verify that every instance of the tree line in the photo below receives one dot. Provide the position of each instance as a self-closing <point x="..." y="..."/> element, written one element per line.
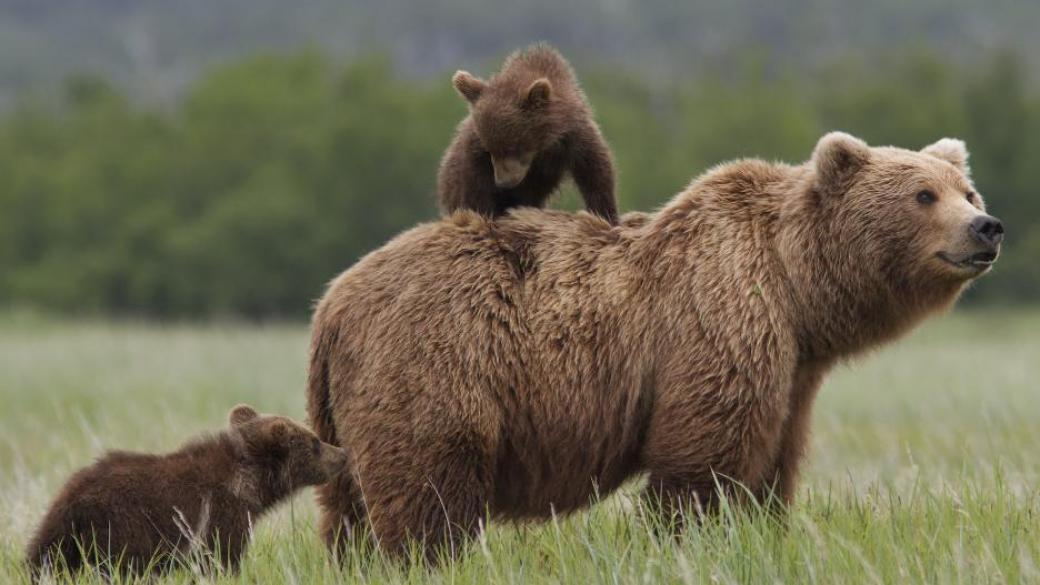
<point x="276" y="172"/>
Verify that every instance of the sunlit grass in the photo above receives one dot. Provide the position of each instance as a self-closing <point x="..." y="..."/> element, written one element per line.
<point x="924" y="465"/>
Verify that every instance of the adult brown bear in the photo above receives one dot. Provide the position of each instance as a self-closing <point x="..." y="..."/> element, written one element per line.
<point x="515" y="367"/>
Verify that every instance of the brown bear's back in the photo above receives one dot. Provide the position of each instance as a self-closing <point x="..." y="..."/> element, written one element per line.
<point x="514" y="325"/>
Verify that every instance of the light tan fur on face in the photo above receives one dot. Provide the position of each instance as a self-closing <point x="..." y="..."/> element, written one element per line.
<point x="519" y="366"/>
<point x="511" y="170"/>
<point x="937" y="232"/>
<point x="951" y="213"/>
<point x="957" y="203"/>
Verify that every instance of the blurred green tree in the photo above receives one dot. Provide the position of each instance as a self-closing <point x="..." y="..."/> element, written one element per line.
<point x="275" y="173"/>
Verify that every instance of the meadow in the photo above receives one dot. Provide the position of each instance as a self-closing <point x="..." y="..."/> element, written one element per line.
<point x="924" y="466"/>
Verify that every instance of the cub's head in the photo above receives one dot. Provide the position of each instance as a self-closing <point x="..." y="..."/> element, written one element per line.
<point x="515" y="120"/>
<point x="291" y="454"/>
<point x="911" y="220"/>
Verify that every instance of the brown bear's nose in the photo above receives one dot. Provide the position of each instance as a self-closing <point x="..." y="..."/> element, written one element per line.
<point x="987" y="229"/>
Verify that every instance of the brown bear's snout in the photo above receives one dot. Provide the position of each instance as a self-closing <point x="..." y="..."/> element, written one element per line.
<point x="987" y="230"/>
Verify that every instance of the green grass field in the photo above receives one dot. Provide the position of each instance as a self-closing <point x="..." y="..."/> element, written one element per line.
<point x="924" y="462"/>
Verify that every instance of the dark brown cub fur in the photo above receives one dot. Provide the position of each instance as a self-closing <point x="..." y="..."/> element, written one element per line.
<point x="134" y="511"/>
<point x="528" y="126"/>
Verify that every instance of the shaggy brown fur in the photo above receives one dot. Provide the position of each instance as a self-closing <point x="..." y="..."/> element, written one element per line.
<point x="135" y="511"/>
<point x="528" y="126"/>
<point x="517" y="367"/>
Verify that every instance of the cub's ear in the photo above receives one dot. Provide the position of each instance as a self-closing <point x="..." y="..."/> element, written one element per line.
<point x="241" y="414"/>
<point x="950" y="150"/>
<point x="838" y="157"/>
<point x="279" y="430"/>
<point x="469" y="87"/>
<point x="538" y="93"/>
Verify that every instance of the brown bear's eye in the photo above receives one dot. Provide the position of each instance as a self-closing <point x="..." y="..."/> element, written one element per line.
<point x="926" y="197"/>
<point x="316" y="446"/>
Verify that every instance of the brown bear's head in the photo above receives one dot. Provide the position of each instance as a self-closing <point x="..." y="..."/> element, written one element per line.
<point x="515" y="119"/>
<point x="289" y="454"/>
<point x="895" y="233"/>
<point x="915" y="215"/>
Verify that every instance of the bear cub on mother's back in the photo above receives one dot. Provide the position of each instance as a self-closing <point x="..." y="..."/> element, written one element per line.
<point x="137" y="511"/>
<point x="528" y="126"/>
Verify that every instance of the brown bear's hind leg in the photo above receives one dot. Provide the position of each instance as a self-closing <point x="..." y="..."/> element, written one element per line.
<point x="342" y="512"/>
<point x="442" y="503"/>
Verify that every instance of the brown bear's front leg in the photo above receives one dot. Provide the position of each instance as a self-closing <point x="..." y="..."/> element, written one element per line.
<point x="669" y="501"/>
<point x="713" y="433"/>
<point x="692" y="472"/>
<point x="795" y="437"/>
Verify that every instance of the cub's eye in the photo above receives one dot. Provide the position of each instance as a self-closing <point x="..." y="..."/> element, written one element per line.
<point x="926" y="197"/>
<point x="970" y="196"/>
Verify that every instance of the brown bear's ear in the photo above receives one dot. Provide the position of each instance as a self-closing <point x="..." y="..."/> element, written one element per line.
<point x="950" y="150"/>
<point x="241" y="414"/>
<point x="838" y="157"/>
<point x="538" y="94"/>
<point x="469" y="87"/>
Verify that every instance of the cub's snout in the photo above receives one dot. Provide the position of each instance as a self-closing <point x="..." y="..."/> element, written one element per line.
<point x="333" y="460"/>
<point x="511" y="171"/>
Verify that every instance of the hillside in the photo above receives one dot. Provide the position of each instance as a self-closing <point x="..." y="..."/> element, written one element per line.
<point x="154" y="48"/>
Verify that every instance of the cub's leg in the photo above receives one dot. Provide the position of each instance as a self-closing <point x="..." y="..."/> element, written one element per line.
<point x="593" y="171"/>
<point x="466" y="179"/>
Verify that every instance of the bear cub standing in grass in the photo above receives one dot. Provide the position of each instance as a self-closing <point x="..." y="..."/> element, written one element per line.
<point x="528" y="125"/>
<point x="140" y="511"/>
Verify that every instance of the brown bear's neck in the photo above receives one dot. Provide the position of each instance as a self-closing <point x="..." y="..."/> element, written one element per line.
<point x="839" y="311"/>
<point x="710" y="254"/>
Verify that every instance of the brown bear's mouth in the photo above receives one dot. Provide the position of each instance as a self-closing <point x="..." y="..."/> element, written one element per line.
<point x="978" y="260"/>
